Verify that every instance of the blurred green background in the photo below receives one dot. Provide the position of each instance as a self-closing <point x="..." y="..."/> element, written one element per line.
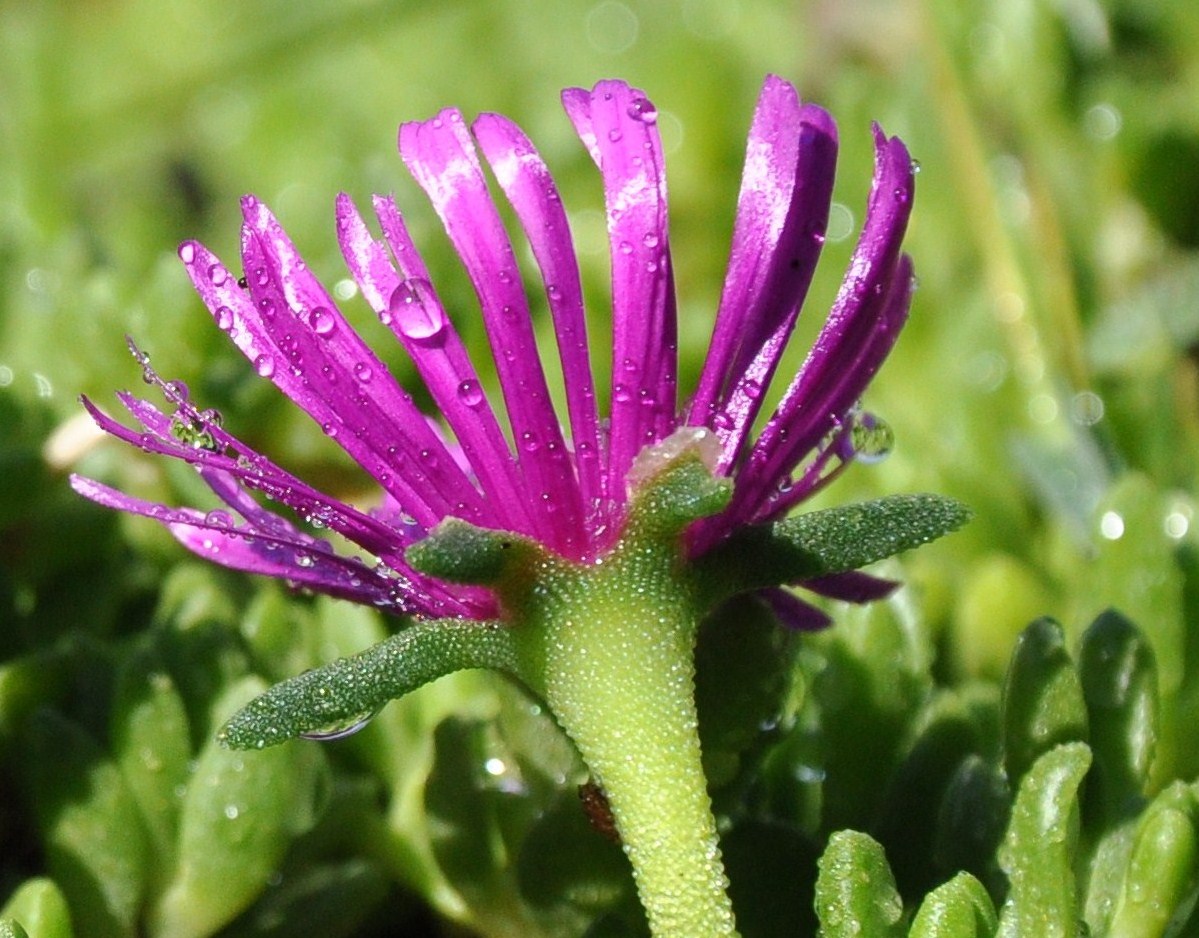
<point x="1048" y="377"/>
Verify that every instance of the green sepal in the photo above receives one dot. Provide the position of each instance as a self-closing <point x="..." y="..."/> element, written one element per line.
<point x="833" y="540"/>
<point x="459" y="552"/>
<point x="1042" y="699"/>
<point x="351" y="689"/>
<point x="960" y="908"/>
<point x="39" y="909"/>
<point x="11" y="928"/>
<point x="1038" y="852"/>
<point x="1161" y="881"/>
<point x="1119" y="683"/>
<point x="855" y="890"/>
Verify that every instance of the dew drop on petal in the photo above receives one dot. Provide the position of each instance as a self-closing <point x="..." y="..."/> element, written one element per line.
<point x="224" y="318"/>
<point x="642" y="109"/>
<point x="470" y="393"/>
<point x="871" y="437"/>
<point x="322" y="321"/>
<point x="363" y="372"/>
<point x="187" y="252"/>
<point x="264" y="365"/>
<point x="417" y="320"/>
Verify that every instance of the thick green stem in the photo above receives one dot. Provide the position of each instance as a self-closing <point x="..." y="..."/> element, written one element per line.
<point x="611" y="649"/>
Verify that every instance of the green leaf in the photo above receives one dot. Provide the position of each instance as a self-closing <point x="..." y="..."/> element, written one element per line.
<point x="1119" y="684"/>
<point x="349" y="690"/>
<point x="834" y="540"/>
<point x="94" y="840"/>
<point x="742" y="664"/>
<point x="1038" y="853"/>
<point x="10" y="928"/>
<point x="151" y="744"/>
<point x="960" y="908"/>
<point x="40" y="908"/>
<point x="974" y="814"/>
<point x="1162" y="878"/>
<point x="855" y="891"/>
<point x="238" y="817"/>
<point x="1042" y="699"/>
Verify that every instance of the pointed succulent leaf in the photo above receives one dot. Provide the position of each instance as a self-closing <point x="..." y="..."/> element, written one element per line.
<point x="960" y="908"/>
<point x="1042" y="699"/>
<point x="1119" y="684"/>
<point x="1038" y="852"/>
<point x="349" y="690"/>
<point x="855" y="890"/>
<point x="833" y="540"/>
<point x="1161" y="882"/>
<point x="39" y="910"/>
<point x="95" y="845"/>
<point x="238" y="816"/>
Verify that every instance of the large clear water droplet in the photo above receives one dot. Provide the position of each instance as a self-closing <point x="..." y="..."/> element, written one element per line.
<point x="421" y="321"/>
<point x="871" y="437"/>
<point x="264" y="365"/>
<point x="341" y="728"/>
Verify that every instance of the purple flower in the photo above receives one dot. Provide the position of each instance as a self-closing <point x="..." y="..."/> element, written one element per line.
<point x="566" y="489"/>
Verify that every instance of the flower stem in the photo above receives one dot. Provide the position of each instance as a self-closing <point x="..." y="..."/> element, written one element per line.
<point x="611" y="649"/>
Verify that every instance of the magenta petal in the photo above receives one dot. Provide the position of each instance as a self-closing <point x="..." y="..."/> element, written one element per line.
<point x="441" y="158"/>
<point x="411" y="309"/>
<point x="288" y="350"/>
<point x="782" y="212"/>
<point x="793" y="613"/>
<point x="617" y="124"/>
<point x="852" y="587"/>
<point x="861" y="329"/>
<point x="530" y="188"/>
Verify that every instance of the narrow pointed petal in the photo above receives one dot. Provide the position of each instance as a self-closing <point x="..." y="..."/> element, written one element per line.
<point x="531" y="190"/>
<point x="861" y="329"/>
<point x="407" y="304"/>
<point x="782" y="213"/>
<point x="275" y="340"/>
<point x="441" y="158"/>
<point x="618" y="126"/>
<point x="793" y="613"/>
<point x="852" y="587"/>
<point x="285" y="554"/>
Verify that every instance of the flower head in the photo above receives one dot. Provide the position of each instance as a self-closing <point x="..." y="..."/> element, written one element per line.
<point x="565" y="488"/>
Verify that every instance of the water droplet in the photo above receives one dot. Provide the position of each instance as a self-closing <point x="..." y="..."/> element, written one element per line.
<point x="187" y="252"/>
<point x="871" y="437"/>
<point x="650" y="240"/>
<point x="232" y="811"/>
<point x="642" y="109"/>
<point x="915" y="167"/>
<point x="266" y="306"/>
<point x="304" y="560"/>
<point x="341" y="728"/>
<point x="261" y="276"/>
<point x="470" y="393"/>
<point x="219" y="518"/>
<point x="419" y="321"/>
<point x="264" y="365"/>
<point x="243" y="282"/>
<point x="621" y="394"/>
<point x="363" y="372"/>
<point x="615" y="135"/>
<point x="626" y="248"/>
<point x="322" y="321"/>
<point x="529" y="443"/>
<point x="177" y="390"/>
<point x="218" y="275"/>
<point x="224" y="318"/>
